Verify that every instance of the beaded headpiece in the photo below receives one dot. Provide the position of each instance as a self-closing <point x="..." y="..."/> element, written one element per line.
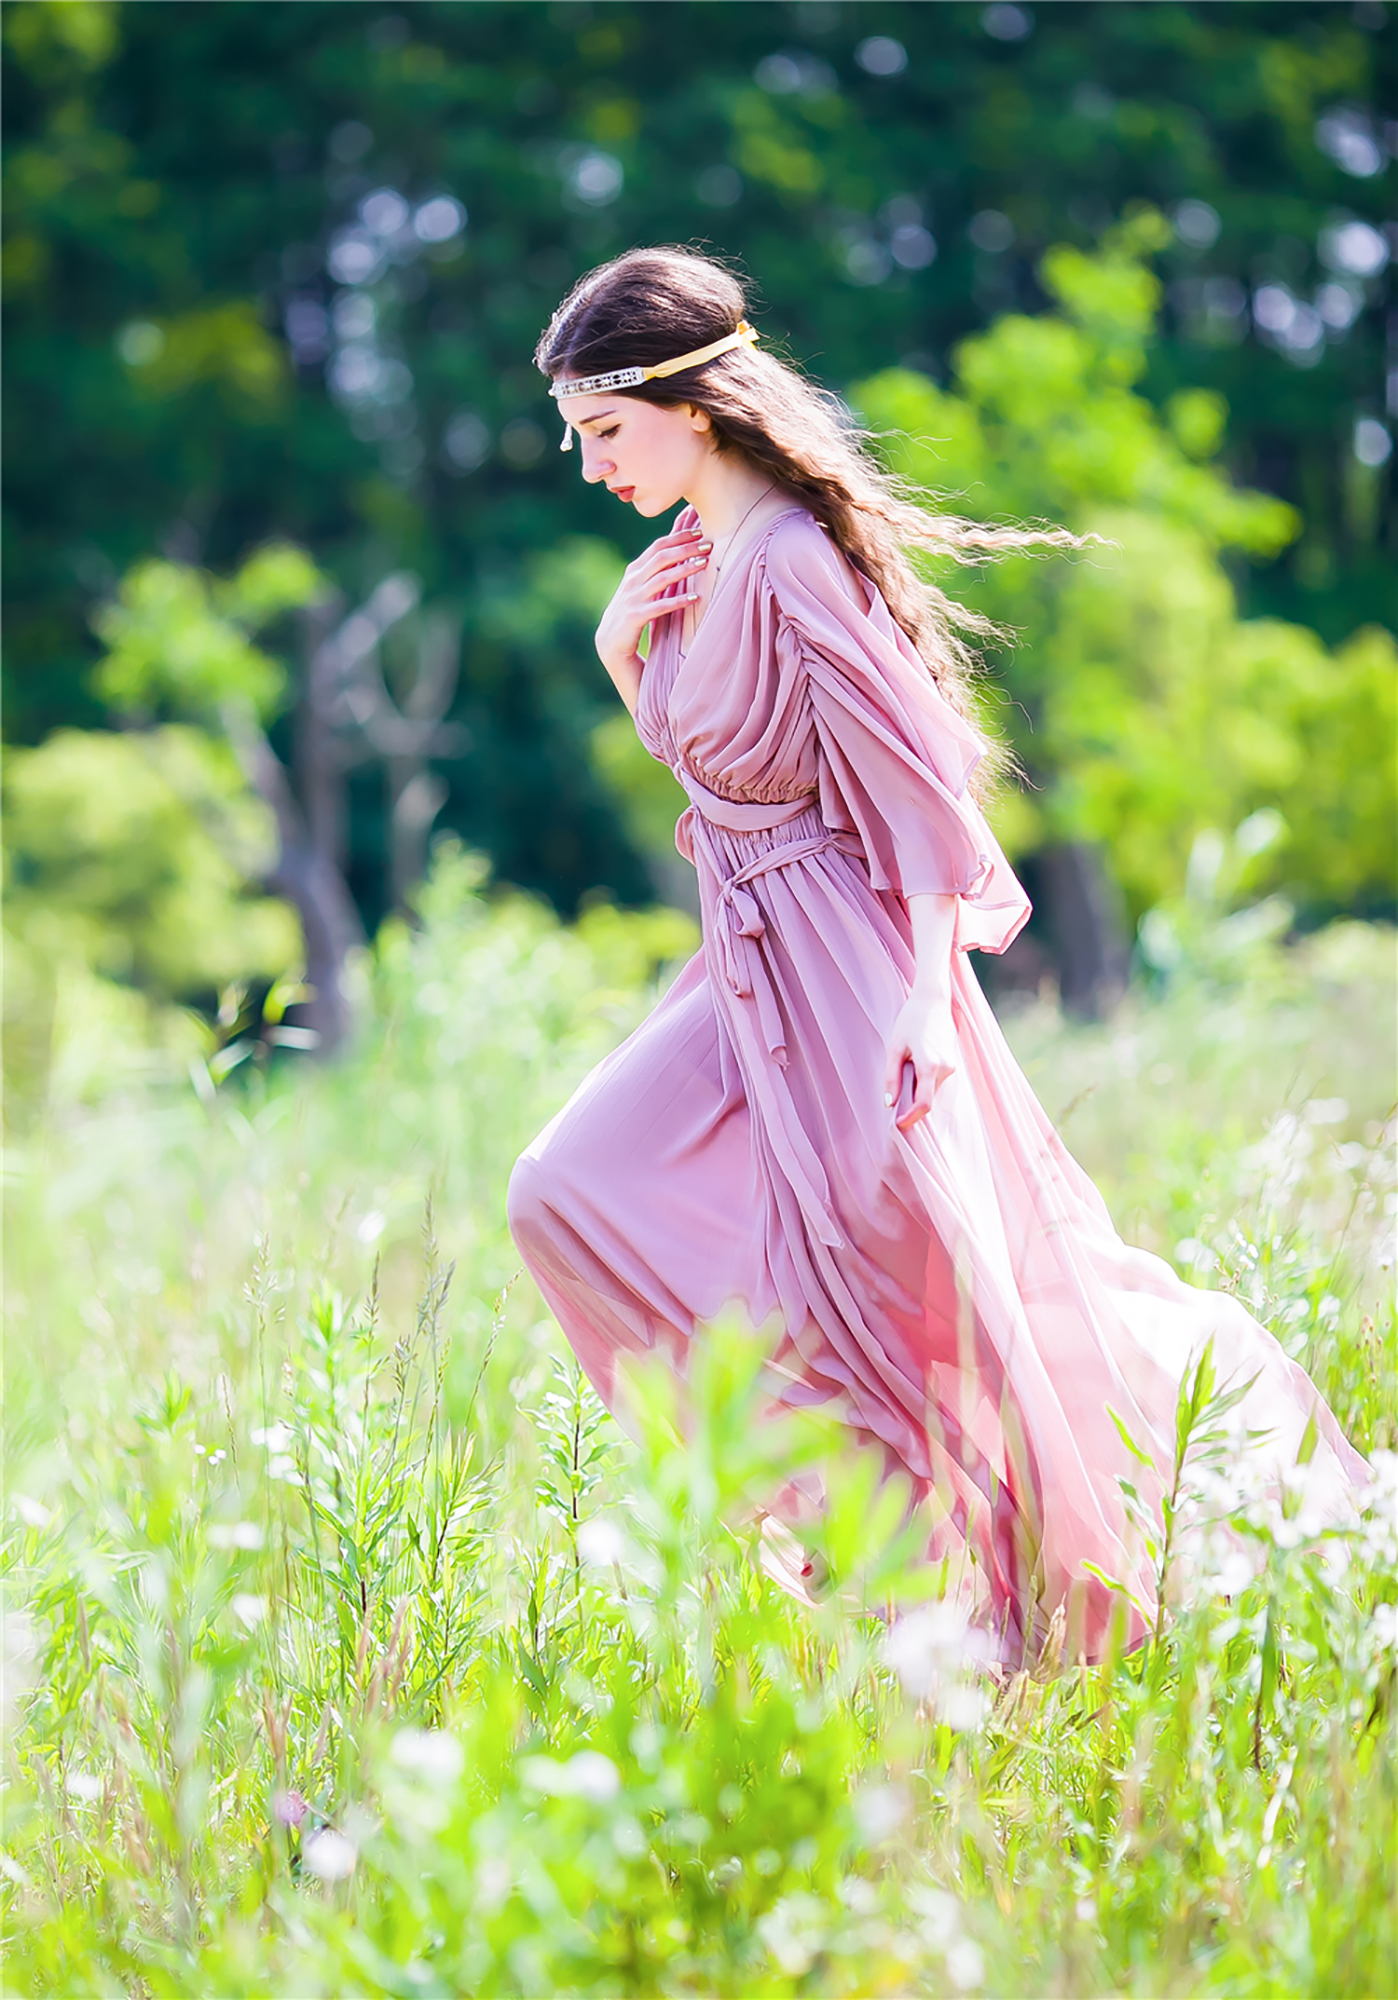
<point x="632" y="378"/>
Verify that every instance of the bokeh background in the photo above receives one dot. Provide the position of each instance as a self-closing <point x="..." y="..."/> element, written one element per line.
<point x="298" y="583"/>
<point x="345" y="1644"/>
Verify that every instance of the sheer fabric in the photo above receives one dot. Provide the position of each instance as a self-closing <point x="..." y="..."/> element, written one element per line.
<point x="957" y="1291"/>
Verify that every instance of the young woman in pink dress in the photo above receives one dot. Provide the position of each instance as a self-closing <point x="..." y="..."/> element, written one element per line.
<point x="821" y="1122"/>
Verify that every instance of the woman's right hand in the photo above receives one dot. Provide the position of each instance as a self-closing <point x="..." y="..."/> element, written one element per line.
<point x="673" y="558"/>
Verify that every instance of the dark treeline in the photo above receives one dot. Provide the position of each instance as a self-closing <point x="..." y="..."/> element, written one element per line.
<point x="276" y="270"/>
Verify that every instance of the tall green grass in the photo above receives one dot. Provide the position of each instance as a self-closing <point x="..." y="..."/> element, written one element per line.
<point x="352" y="1649"/>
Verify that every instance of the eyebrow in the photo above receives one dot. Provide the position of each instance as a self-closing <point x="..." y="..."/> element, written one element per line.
<point x="597" y="417"/>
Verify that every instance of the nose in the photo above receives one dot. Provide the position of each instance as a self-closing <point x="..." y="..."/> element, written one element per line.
<point x="596" y="464"/>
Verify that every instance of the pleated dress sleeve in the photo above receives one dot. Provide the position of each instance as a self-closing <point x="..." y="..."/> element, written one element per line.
<point x="895" y="758"/>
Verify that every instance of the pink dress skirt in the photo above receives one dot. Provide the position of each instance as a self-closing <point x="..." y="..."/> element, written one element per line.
<point x="957" y="1291"/>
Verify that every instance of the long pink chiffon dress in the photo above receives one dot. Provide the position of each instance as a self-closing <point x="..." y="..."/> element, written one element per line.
<point x="957" y="1290"/>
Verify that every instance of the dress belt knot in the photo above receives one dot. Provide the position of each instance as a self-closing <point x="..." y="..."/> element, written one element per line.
<point x="737" y="927"/>
<point x="738" y="916"/>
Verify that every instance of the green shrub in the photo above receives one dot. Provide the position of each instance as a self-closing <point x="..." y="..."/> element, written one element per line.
<point x="353" y="1648"/>
<point x="1142" y="708"/>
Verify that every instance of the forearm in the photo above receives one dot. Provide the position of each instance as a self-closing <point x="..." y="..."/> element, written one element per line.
<point x="934" y="929"/>
<point x="924" y="1032"/>
<point x="625" y="677"/>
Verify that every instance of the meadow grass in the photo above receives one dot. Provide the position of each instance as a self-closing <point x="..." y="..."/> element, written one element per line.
<point x="352" y="1648"/>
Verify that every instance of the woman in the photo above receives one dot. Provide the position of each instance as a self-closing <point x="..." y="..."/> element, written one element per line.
<point x="821" y="1121"/>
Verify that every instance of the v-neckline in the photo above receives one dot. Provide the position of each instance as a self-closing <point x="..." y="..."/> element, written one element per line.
<point x="753" y="541"/>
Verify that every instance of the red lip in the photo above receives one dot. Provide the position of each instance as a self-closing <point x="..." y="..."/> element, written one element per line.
<point x="622" y="493"/>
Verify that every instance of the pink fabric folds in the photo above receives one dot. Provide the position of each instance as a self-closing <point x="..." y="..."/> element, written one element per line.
<point x="958" y="1292"/>
<point x="896" y="757"/>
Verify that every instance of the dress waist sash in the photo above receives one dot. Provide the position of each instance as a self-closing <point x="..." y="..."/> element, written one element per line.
<point x="742" y="815"/>
<point x="733" y="934"/>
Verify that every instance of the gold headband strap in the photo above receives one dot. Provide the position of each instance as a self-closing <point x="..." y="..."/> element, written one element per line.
<point x="632" y="378"/>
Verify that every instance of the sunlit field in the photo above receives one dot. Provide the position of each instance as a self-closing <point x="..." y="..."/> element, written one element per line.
<point x="352" y="1648"/>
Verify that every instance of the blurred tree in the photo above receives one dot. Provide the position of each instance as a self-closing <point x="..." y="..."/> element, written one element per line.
<point x="282" y="268"/>
<point x="1141" y="708"/>
<point x="131" y="861"/>
<point x="142" y="846"/>
<point x="181" y="642"/>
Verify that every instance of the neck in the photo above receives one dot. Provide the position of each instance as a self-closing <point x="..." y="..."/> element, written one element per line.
<point x="724" y="491"/>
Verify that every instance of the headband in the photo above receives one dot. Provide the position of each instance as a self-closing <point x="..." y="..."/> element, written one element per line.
<point x="632" y="378"/>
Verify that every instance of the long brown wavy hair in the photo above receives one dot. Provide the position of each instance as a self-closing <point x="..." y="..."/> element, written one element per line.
<point x="652" y="304"/>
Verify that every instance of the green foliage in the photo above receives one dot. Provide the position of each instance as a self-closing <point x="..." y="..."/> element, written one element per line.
<point x="1141" y="707"/>
<point x="181" y="362"/>
<point x="53" y="33"/>
<point x="1162" y="714"/>
<point x="132" y="857"/>
<point x="1340" y="810"/>
<point x="352" y="1648"/>
<point x="129" y="859"/>
<point x="571" y="584"/>
<point x="1201" y="935"/>
<point x="225" y="347"/>
<point x="650" y="797"/>
<point x="177" y="639"/>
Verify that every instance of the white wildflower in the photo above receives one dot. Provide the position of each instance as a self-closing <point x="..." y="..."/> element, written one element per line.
<point x="938" y="1912"/>
<point x="329" y="1855"/>
<point x="963" y="1708"/>
<point x="433" y="1755"/>
<point x="12" y="1871"/>
<point x="965" y="1965"/>
<point x="858" y="1895"/>
<point x="794" y="1932"/>
<point x="879" y="1810"/>
<point x="235" y="1535"/>
<point x="593" y="1776"/>
<point x="588" y="1775"/>
<point x="19" y="1649"/>
<point x="601" y="1542"/>
<point x="925" y="1646"/>
<point x="1238" y="1567"/>
<point x="494" y="1881"/>
<point x="1326" y="1111"/>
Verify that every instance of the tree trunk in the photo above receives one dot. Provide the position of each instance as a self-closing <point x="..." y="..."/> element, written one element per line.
<point x="308" y="878"/>
<point x="415" y="797"/>
<point x="1083" y="915"/>
<point x="320" y="771"/>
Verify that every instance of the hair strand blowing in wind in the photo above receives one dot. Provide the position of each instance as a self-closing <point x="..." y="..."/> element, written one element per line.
<point x="651" y="304"/>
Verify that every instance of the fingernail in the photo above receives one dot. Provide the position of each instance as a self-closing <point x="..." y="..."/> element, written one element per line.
<point x="888" y="1099"/>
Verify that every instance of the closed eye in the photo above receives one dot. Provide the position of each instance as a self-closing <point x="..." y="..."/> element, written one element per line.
<point x="608" y="434"/>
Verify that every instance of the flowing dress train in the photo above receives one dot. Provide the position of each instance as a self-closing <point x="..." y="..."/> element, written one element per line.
<point x="958" y="1290"/>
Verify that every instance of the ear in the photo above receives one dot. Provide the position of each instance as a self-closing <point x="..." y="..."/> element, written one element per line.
<point x="699" y="420"/>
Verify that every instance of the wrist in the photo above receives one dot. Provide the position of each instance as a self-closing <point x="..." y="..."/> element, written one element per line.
<point x="932" y="987"/>
<point x="618" y="665"/>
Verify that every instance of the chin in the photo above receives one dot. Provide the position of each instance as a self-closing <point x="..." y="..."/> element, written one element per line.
<point x="648" y="506"/>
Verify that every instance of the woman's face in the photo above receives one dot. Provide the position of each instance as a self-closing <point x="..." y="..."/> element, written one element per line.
<point x="648" y="456"/>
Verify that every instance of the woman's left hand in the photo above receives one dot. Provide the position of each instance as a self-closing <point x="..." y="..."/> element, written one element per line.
<point x="924" y="1035"/>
